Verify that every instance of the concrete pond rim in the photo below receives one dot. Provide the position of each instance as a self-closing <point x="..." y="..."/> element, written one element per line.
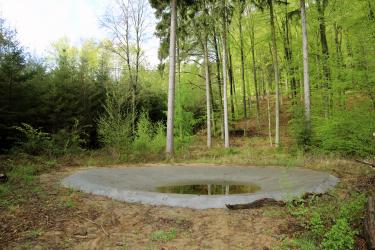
<point x="138" y="184"/>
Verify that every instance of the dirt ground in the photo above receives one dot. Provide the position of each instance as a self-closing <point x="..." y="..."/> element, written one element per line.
<point x="59" y="218"/>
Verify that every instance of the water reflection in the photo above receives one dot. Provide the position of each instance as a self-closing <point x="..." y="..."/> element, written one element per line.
<point x="209" y="189"/>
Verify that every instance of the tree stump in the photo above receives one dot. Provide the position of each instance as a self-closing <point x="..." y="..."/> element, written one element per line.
<point x="369" y="223"/>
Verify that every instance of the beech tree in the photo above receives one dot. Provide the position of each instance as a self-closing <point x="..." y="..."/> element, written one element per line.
<point x="306" y="77"/>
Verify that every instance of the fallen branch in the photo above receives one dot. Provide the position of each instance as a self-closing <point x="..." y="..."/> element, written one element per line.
<point x="97" y="224"/>
<point x="366" y="163"/>
<point x="269" y="202"/>
<point x="257" y="204"/>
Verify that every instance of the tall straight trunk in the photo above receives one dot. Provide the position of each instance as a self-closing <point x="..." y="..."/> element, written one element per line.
<point x="268" y="86"/>
<point x="306" y="80"/>
<point x="208" y="94"/>
<point x="242" y="67"/>
<point x="232" y="87"/>
<point x="172" y="78"/>
<point x="225" y="98"/>
<point x="277" y="74"/>
<point x="179" y="106"/>
<point x="252" y="41"/>
<point x="321" y="6"/>
<point x="290" y="68"/>
<point x="218" y="75"/>
<point x="339" y="61"/>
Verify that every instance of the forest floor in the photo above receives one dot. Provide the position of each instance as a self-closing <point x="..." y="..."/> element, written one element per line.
<point x="37" y="213"/>
<point x="47" y="216"/>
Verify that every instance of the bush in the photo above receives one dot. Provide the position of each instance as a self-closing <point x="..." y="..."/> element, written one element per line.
<point x="115" y="133"/>
<point x="158" y="142"/>
<point x="328" y="224"/>
<point x="299" y="130"/>
<point x="149" y="138"/>
<point x="69" y="142"/>
<point x="352" y="211"/>
<point x="144" y="134"/>
<point x="340" y="237"/>
<point x="36" y="142"/>
<point x="316" y="225"/>
<point x="114" y="127"/>
<point x="347" y="133"/>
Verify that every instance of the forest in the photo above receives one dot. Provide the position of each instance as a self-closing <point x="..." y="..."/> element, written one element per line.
<point x="252" y="82"/>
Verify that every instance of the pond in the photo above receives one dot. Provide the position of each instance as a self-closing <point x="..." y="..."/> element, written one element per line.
<point x="210" y="189"/>
<point x="199" y="187"/>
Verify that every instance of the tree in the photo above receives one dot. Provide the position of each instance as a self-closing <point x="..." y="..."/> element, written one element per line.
<point x="129" y="19"/>
<point x="321" y="7"/>
<point x="225" y="58"/>
<point x="306" y="78"/>
<point x="252" y="44"/>
<point x="172" y="77"/>
<point x="241" y="6"/>
<point x="270" y="4"/>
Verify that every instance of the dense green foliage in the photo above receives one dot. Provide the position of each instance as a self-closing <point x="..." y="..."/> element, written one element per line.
<point x="88" y="89"/>
<point x="328" y="224"/>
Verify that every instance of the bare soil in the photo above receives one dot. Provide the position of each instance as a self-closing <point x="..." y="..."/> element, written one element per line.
<point x="59" y="218"/>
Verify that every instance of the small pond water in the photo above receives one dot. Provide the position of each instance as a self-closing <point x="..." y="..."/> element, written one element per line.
<point x="210" y="189"/>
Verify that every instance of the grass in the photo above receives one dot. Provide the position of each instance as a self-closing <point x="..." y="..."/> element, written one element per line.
<point x="164" y="236"/>
<point x="35" y="233"/>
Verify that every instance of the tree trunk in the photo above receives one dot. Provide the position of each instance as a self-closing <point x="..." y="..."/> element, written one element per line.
<point x="217" y="54"/>
<point x="232" y="87"/>
<point x="277" y="75"/>
<point x="321" y="5"/>
<point x="242" y="67"/>
<point x="172" y="78"/>
<point x="225" y="98"/>
<point x="208" y="94"/>
<point x="306" y="80"/>
<point x="252" y="41"/>
<point x="268" y="85"/>
<point x="290" y="68"/>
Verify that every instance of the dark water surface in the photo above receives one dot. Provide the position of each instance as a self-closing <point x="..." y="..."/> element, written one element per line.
<point x="209" y="189"/>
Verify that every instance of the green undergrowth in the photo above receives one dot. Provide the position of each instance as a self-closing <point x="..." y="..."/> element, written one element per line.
<point x="329" y="223"/>
<point x="22" y="179"/>
<point x="164" y="236"/>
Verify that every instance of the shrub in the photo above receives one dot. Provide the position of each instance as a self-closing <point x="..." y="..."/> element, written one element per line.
<point x="144" y="134"/>
<point x="158" y="141"/>
<point x="352" y="211"/>
<point x="35" y="141"/>
<point x="347" y="133"/>
<point x="316" y="225"/>
<point x="339" y="237"/>
<point x="115" y="133"/>
<point x="114" y="127"/>
<point x="149" y="138"/>
<point x="299" y="130"/>
<point x="69" y="141"/>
